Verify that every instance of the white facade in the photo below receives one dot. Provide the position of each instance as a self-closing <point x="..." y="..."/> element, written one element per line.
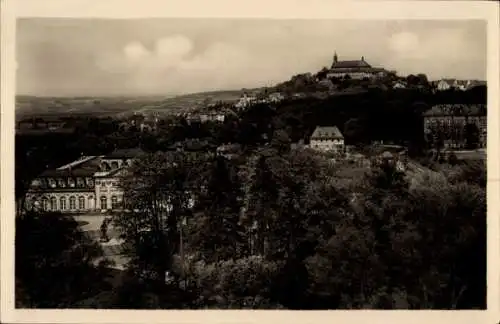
<point x="245" y="101"/>
<point x="443" y="85"/>
<point x="97" y="192"/>
<point x="336" y="145"/>
<point x="108" y="193"/>
<point x="69" y="202"/>
<point x="399" y="85"/>
<point x="352" y="75"/>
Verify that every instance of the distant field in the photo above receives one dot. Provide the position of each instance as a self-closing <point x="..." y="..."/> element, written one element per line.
<point x="112" y="106"/>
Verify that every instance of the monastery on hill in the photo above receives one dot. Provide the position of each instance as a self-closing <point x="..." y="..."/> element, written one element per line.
<point x="355" y="69"/>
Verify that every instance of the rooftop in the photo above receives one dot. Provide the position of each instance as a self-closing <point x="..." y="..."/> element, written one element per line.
<point x="327" y="132"/>
<point x="350" y="64"/>
<point x="86" y="168"/>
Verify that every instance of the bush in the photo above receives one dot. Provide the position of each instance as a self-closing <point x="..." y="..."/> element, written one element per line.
<point x="241" y="283"/>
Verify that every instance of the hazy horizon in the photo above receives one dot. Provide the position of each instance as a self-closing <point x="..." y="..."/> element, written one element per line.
<point x="166" y="57"/>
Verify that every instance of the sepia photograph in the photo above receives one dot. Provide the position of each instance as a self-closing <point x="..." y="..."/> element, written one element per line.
<point x="263" y="164"/>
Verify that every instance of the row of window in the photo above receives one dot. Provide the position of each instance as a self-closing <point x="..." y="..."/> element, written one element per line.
<point x="449" y="124"/>
<point x="63" y="182"/>
<point x="106" y="182"/>
<point x="336" y="141"/>
<point x="462" y="121"/>
<point x="332" y="147"/>
<point x="51" y="204"/>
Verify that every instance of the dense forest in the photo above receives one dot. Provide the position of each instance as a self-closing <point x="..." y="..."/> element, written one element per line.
<point x="274" y="228"/>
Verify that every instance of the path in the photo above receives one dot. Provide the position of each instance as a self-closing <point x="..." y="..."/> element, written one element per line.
<point x="112" y="249"/>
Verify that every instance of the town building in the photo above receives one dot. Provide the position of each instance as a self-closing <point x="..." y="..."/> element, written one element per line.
<point x="399" y="85"/>
<point x="276" y="97"/>
<point x="229" y="151"/>
<point x="327" y="138"/>
<point x="449" y="123"/>
<point x="210" y="116"/>
<point x="463" y="85"/>
<point x="445" y="84"/>
<point x="355" y="69"/>
<point x="91" y="183"/>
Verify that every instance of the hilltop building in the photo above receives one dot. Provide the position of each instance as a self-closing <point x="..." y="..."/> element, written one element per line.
<point x="355" y="69"/>
<point x="327" y="138"/>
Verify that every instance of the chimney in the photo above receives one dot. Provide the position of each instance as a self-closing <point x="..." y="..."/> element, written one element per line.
<point x="362" y="58"/>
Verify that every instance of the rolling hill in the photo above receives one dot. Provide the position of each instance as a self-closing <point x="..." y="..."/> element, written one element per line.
<point x="27" y="106"/>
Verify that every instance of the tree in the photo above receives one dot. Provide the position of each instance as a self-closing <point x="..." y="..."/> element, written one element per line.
<point x="354" y="131"/>
<point x="322" y="73"/>
<point x="217" y="233"/>
<point x="471" y="136"/>
<point x="453" y="159"/>
<point x="56" y="263"/>
<point x="159" y="188"/>
<point x="281" y="141"/>
<point x="422" y="79"/>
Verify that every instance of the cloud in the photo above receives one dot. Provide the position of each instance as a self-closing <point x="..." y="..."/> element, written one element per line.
<point x="437" y="53"/>
<point x="439" y="44"/>
<point x="175" y="47"/>
<point x="404" y="43"/>
<point x="172" y="65"/>
<point x="135" y="51"/>
<point x="169" y="56"/>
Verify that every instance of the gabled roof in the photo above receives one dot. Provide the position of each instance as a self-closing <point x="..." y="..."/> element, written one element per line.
<point x="115" y="172"/>
<point x="351" y="64"/>
<point x="327" y="132"/>
<point x="85" y="169"/>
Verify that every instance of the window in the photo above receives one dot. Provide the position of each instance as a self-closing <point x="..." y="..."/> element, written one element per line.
<point x="52" y="183"/>
<point x="62" y="203"/>
<point x="45" y="204"/>
<point x="61" y="183"/>
<point x="104" y="202"/>
<point x="72" y="203"/>
<point x="114" y="202"/>
<point x="53" y="203"/>
<point x="105" y="166"/>
<point x="80" y="183"/>
<point x="81" y="202"/>
<point x="36" y="183"/>
<point x="71" y="182"/>
<point x="114" y="165"/>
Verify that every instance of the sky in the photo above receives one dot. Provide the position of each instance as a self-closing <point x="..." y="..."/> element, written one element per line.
<point x="84" y="57"/>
